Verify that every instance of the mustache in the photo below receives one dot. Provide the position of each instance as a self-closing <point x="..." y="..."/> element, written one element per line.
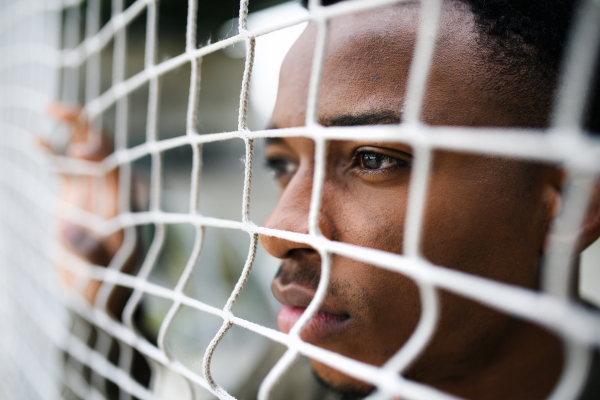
<point x="306" y="273"/>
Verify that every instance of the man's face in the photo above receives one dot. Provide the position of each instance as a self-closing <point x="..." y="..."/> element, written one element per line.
<point x="484" y="215"/>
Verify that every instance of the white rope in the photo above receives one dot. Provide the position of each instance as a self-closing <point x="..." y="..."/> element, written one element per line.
<point x="249" y="144"/>
<point x="314" y="211"/>
<point x="567" y="318"/>
<point x="567" y="143"/>
<point x="578" y="68"/>
<point x="243" y="118"/>
<point x="557" y="279"/>
<point x="227" y="320"/>
<point x="577" y="150"/>
<point x="94" y="44"/>
<point x="276" y="373"/>
<point x="178" y="291"/>
<point x="192" y="111"/>
<point x="92" y="73"/>
<point x="422" y="334"/>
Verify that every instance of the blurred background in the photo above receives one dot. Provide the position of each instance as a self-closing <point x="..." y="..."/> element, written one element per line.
<point x="224" y="250"/>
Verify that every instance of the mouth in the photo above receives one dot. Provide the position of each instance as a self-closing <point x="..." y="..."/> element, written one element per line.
<point x="295" y="286"/>
<point x="322" y="325"/>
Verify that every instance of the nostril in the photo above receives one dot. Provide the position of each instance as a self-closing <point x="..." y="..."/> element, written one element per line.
<point x="299" y="254"/>
<point x="300" y="267"/>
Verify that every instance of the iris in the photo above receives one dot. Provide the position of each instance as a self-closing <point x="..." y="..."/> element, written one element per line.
<point x="377" y="161"/>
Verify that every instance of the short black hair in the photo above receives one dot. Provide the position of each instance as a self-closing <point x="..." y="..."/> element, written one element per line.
<point x="529" y="33"/>
<point x="541" y="24"/>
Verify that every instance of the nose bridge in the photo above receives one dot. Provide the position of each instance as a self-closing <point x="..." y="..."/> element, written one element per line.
<point x="290" y="214"/>
<point x="292" y="211"/>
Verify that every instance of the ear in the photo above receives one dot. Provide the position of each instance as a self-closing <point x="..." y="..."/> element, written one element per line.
<point x="589" y="231"/>
<point x="552" y="197"/>
<point x="590" y="228"/>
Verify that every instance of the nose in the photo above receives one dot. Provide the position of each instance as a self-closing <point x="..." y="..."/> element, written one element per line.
<point x="291" y="214"/>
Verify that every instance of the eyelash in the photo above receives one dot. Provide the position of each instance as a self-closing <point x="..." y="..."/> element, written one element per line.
<point x="357" y="162"/>
<point x="279" y="166"/>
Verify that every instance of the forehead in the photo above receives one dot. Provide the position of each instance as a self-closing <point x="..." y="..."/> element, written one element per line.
<point x="367" y="63"/>
<point x="362" y="52"/>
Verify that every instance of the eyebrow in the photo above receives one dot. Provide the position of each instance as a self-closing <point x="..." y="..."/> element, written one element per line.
<point x="273" y="140"/>
<point x="384" y="117"/>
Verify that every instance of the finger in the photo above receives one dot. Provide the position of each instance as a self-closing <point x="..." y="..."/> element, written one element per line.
<point x="72" y="116"/>
<point x="82" y="243"/>
<point x="62" y="112"/>
<point x="89" y="151"/>
<point x="79" y="145"/>
<point x="45" y="146"/>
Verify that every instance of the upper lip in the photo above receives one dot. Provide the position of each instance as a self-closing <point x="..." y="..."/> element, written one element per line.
<point x="296" y="295"/>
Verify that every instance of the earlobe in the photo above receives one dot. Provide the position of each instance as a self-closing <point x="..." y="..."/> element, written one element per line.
<point x="552" y="198"/>
<point x="590" y="229"/>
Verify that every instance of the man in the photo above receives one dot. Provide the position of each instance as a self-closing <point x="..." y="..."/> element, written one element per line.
<point x="495" y="65"/>
<point x="488" y="216"/>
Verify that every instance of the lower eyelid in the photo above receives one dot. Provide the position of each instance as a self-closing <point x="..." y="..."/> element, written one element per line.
<point x="394" y="160"/>
<point x="381" y="170"/>
<point x="395" y="168"/>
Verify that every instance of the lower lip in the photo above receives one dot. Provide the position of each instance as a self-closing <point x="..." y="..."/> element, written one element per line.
<point x="321" y="326"/>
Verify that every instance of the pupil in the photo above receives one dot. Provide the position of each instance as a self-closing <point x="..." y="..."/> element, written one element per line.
<point x="371" y="160"/>
<point x="283" y="168"/>
<point x="278" y="167"/>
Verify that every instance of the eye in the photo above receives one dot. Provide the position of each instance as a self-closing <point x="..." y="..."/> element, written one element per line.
<point x="281" y="167"/>
<point x="376" y="164"/>
<point x="375" y="161"/>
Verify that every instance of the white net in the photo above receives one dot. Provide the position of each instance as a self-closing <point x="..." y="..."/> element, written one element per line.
<point x="42" y="317"/>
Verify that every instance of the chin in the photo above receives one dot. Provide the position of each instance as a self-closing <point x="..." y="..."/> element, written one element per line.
<point x="344" y="386"/>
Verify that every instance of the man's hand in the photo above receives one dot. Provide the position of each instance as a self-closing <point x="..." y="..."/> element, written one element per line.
<point x="94" y="194"/>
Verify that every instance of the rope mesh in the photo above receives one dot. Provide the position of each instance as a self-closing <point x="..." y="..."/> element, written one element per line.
<point x="39" y="316"/>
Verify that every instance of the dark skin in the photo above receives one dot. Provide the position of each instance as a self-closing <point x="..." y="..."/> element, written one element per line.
<point x="484" y="215"/>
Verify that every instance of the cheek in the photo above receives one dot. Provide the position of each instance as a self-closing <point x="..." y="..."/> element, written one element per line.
<point x="485" y="224"/>
<point x="385" y="306"/>
<point x="371" y="217"/>
<point x="374" y="217"/>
